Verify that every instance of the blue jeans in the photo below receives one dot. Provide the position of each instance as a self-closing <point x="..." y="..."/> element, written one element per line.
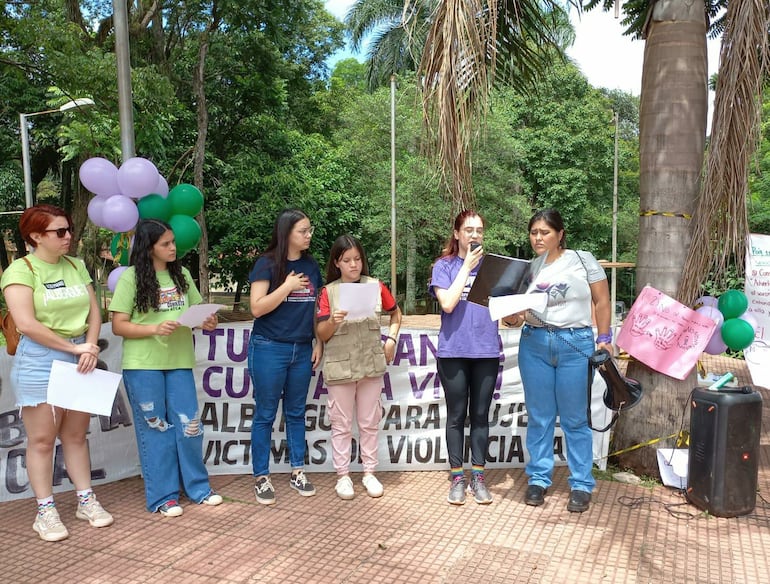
<point x="554" y="377"/>
<point x="169" y="434"/>
<point x="278" y="370"/>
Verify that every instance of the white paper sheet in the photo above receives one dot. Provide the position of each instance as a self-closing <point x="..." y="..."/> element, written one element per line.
<point x="195" y="315"/>
<point x="85" y="392"/>
<point x="673" y="465"/>
<point x="500" y="306"/>
<point x="359" y="300"/>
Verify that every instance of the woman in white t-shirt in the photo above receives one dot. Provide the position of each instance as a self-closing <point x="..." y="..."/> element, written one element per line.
<point x="553" y="357"/>
<point x="158" y="361"/>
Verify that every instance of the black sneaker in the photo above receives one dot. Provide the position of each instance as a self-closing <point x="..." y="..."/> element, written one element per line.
<point x="479" y="490"/>
<point x="535" y="495"/>
<point x="300" y="483"/>
<point x="578" y="501"/>
<point x="457" y="492"/>
<point x="264" y="491"/>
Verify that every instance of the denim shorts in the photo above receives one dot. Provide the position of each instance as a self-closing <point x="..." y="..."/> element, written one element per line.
<point x="32" y="368"/>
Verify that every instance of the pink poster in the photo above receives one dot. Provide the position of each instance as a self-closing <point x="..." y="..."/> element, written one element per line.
<point x="663" y="334"/>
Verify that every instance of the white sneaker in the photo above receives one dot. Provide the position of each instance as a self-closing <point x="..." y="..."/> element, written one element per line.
<point x="344" y="488"/>
<point x="212" y="500"/>
<point x="373" y="486"/>
<point x="49" y="526"/>
<point x="94" y="513"/>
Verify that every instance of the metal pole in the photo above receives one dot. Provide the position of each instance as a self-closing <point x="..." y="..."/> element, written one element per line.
<point x="28" y="202"/>
<point x="614" y="286"/>
<point x="123" y="58"/>
<point x="393" y="185"/>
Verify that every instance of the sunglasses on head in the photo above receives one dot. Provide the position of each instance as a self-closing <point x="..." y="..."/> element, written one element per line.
<point x="61" y="232"/>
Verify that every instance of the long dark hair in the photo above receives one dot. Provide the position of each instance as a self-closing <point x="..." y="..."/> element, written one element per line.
<point x="553" y="219"/>
<point x="342" y="244"/>
<point x="148" y="232"/>
<point x="452" y="246"/>
<point x="278" y="249"/>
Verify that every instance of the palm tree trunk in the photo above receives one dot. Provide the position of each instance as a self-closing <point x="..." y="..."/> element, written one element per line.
<point x="672" y="123"/>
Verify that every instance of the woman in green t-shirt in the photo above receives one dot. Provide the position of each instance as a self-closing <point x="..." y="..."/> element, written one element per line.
<point x="158" y="359"/>
<point x="53" y="304"/>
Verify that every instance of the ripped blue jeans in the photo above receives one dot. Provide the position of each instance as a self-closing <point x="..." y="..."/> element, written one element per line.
<point x="169" y="434"/>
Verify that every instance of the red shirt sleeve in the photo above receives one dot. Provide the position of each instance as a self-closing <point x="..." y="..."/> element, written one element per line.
<point x="323" y="312"/>
<point x="388" y="302"/>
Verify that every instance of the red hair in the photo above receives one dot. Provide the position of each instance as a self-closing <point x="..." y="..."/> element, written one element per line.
<point x="36" y="220"/>
<point x="452" y="246"/>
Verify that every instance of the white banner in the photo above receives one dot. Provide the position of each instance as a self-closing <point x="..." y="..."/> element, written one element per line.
<point x="758" y="293"/>
<point x="412" y="427"/>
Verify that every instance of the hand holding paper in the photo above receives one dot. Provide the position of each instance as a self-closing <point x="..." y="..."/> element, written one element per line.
<point x="500" y="306"/>
<point x="359" y="300"/>
<point x="85" y="392"/>
<point x="197" y="314"/>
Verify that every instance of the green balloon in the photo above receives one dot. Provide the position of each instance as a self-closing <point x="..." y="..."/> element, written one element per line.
<point x="187" y="232"/>
<point x="154" y="207"/>
<point x="737" y="334"/>
<point x="120" y="248"/>
<point x="732" y="304"/>
<point x="185" y="200"/>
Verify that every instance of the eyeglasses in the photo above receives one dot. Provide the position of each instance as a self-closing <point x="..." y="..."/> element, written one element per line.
<point x="61" y="232"/>
<point x="308" y="232"/>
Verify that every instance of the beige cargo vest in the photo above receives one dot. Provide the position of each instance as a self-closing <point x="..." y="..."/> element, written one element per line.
<point x="355" y="350"/>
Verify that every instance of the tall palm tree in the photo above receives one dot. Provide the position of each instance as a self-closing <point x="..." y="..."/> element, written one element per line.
<point x="466" y="41"/>
<point x="391" y="48"/>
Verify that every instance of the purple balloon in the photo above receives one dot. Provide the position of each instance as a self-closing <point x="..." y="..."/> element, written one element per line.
<point x="99" y="176"/>
<point x="95" y="209"/>
<point x="751" y="319"/>
<point x="715" y="346"/>
<point x="713" y="313"/>
<point x="162" y="187"/>
<point x="119" y="214"/>
<point x="137" y="177"/>
<point x="112" y="279"/>
<point x="706" y="301"/>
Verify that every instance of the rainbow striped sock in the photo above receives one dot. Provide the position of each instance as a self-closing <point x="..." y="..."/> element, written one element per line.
<point x="457" y="473"/>
<point x="478" y="471"/>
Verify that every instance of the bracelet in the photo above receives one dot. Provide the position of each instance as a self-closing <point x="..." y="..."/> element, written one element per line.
<point x="604" y="338"/>
<point x="391" y="338"/>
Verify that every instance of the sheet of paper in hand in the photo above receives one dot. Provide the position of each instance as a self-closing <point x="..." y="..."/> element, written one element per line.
<point x="663" y="334"/>
<point x="499" y="276"/>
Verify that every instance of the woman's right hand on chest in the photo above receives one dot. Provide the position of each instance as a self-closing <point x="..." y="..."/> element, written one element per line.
<point x="297" y="281"/>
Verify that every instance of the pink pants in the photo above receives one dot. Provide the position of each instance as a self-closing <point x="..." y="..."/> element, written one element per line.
<point x="361" y="397"/>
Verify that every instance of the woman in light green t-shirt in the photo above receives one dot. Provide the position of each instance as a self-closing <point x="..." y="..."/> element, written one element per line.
<point x="158" y="358"/>
<point x="54" y="307"/>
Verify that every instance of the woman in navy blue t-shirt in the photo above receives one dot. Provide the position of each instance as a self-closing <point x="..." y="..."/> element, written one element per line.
<point x="285" y="281"/>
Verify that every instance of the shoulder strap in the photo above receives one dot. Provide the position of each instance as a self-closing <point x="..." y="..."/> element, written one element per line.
<point x="71" y="262"/>
<point x="29" y="265"/>
<point x="584" y="265"/>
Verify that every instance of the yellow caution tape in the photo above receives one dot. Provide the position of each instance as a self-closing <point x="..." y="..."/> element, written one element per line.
<point x="682" y="439"/>
<point x="650" y="213"/>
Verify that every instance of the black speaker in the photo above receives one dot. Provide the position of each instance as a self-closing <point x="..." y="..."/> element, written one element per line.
<point x="724" y="450"/>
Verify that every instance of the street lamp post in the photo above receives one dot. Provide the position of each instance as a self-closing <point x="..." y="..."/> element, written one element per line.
<point x="75" y="103"/>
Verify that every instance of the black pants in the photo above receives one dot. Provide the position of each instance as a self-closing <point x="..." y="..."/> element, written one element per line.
<point x="467" y="381"/>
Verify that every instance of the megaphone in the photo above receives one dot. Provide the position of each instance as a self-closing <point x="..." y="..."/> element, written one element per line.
<point x="622" y="393"/>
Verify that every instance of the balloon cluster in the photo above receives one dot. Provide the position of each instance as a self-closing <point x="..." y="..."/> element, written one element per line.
<point x="113" y="205"/>
<point x="736" y="326"/>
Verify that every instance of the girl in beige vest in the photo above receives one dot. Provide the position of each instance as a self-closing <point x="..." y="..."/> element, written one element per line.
<point x="355" y="361"/>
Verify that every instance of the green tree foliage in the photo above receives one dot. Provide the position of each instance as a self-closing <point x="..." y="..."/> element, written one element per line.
<point x="759" y="179"/>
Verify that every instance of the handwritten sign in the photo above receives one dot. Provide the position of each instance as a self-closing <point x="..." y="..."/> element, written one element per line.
<point x="663" y="334"/>
<point x="758" y="293"/>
